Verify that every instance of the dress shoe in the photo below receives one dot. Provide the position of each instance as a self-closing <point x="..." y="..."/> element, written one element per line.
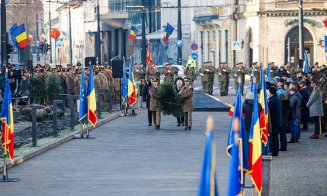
<point x="298" y="140"/>
<point x="314" y="137"/>
<point x="158" y="127"/>
<point x="189" y="127"/>
<point x="149" y="125"/>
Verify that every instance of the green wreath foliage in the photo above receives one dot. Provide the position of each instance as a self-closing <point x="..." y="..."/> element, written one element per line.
<point x="170" y="101"/>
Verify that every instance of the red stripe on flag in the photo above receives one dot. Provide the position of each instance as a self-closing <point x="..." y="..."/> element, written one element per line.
<point x="23" y="43"/>
<point x="92" y="116"/>
<point x="257" y="174"/>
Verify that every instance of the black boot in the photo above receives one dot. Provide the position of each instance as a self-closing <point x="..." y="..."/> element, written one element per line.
<point x="189" y="127"/>
<point x="158" y="127"/>
<point x="133" y="113"/>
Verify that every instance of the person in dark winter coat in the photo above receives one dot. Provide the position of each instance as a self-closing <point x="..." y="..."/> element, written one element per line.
<point x="285" y="121"/>
<point x="146" y="98"/>
<point x="295" y="101"/>
<point x="248" y="110"/>
<point x="275" y="109"/>
<point x="305" y="93"/>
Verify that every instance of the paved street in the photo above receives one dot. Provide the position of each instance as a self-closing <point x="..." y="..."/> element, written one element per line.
<point x="126" y="158"/>
<point x="129" y="158"/>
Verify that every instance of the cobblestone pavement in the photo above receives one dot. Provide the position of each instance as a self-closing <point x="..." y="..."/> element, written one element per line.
<point x="126" y="158"/>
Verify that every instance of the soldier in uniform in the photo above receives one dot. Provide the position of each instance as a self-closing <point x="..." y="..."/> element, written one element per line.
<point x="255" y="72"/>
<point x="186" y="94"/>
<point x="223" y="75"/>
<point x="273" y="70"/>
<point x="204" y="72"/>
<point x="239" y="72"/>
<point x="211" y="77"/>
<point x="153" y="73"/>
<point x="189" y="73"/>
<point x="154" y="103"/>
<point x="169" y="73"/>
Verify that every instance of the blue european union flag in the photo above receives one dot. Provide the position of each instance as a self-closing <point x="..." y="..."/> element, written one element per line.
<point x="82" y="100"/>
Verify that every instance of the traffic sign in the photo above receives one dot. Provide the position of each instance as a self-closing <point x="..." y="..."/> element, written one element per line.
<point x="195" y="56"/>
<point x="59" y="42"/>
<point x="236" y="45"/>
<point x="179" y="43"/>
<point x="194" y="46"/>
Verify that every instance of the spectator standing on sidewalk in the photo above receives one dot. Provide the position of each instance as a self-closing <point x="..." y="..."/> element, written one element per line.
<point x="285" y="121"/>
<point x="295" y="101"/>
<point x="275" y="109"/>
<point x="305" y="93"/>
<point x="316" y="108"/>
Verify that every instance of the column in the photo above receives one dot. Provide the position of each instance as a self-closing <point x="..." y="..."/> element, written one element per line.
<point x="199" y="48"/>
<point x="123" y="43"/>
<point x="116" y="45"/>
<point x="206" y="45"/>
<point x="217" y="47"/>
<point x="109" y="48"/>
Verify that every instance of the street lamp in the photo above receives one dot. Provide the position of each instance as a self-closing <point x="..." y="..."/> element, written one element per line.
<point x="70" y="36"/>
<point x="301" y="40"/>
<point x="179" y="33"/>
<point x="98" y="34"/>
<point x="4" y="58"/>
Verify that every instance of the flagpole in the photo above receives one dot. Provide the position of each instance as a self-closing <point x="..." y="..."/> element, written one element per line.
<point x="5" y="177"/>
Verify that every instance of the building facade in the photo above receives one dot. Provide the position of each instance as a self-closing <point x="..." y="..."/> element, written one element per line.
<point x="215" y="30"/>
<point x="269" y="31"/>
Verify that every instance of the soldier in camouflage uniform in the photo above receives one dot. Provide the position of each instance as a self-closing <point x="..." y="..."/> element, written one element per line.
<point x="223" y="75"/>
<point x="189" y="73"/>
<point x="153" y="73"/>
<point x="239" y="72"/>
<point x="255" y="72"/>
<point x="273" y="70"/>
<point x="211" y="77"/>
<point x="169" y="73"/>
<point x="186" y="94"/>
<point x="205" y="77"/>
<point x="154" y="103"/>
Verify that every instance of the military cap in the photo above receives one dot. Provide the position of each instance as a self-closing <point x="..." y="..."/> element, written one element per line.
<point x="154" y="80"/>
<point x="187" y="79"/>
<point x="254" y="63"/>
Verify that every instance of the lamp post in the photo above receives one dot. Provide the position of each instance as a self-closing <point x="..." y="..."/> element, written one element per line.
<point x="37" y="38"/>
<point x="98" y="35"/>
<point x="50" y="33"/>
<point x="70" y="37"/>
<point x="143" y="51"/>
<point x="301" y="40"/>
<point x="179" y="35"/>
<point x="4" y="59"/>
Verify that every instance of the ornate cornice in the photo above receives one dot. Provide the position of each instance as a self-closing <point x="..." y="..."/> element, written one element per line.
<point x="292" y="13"/>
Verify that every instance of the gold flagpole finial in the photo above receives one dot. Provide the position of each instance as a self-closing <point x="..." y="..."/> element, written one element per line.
<point x="210" y="124"/>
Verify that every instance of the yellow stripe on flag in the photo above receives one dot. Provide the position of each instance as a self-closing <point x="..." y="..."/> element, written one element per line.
<point x="21" y="37"/>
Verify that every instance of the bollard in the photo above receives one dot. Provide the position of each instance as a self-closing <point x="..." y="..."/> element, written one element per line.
<point x="110" y="99"/>
<point x="55" y="106"/>
<point x="64" y="100"/>
<point x="266" y="160"/>
<point x="34" y="108"/>
<point x="72" y="111"/>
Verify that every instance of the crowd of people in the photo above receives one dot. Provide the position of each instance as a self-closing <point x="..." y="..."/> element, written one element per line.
<point x="295" y="99"/>
<point x="44" y="83"/>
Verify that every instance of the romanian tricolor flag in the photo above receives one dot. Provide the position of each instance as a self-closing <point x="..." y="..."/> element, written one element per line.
<point x="91" y="36"/>
<point x="208" y="181"/>
<point x="148" y="56"/>
<point x="21" y="36"/>
<point x="133" y="33"/>
<point x="263" y="100"/>
<point x="167" y="33"/>
<point x="255" y="146"/>
<point x="306" y="66"/>
<point x="91" y="101"/>
<point x="42" y="39"/>
<point x="30" y="37"/>
<point x="231" y="110"/>
<point x="7" y="120"/>
<point x="82" y="100"/>
<point x="131" y="87"/>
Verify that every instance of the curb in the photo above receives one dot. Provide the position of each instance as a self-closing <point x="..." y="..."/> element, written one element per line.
<point x="67" y="138"/>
